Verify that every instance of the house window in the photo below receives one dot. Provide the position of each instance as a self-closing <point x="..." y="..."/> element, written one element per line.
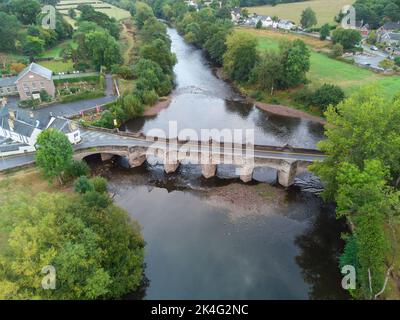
<point x="33" y="85"/>
<point x="41" y="84"/>
<point x="8" y="89"/>
<point x="26" y="87"/>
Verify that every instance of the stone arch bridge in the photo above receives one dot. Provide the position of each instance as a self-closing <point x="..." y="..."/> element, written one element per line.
<point x="288" y="161"/>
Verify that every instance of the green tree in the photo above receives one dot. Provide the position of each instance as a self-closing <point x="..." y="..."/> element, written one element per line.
<point x="367" y="202"/>
<point x="268" y="71"/>
<point x="159" y="52"/>
<point x="325" y="31"/>
<point x="25" y="10"/>
<point x="143" y="12"/>
<point x="96" y="250"/>
<point x="72" y="13"/>
<point x="101" y="48"/>
<point x="83" y="185"/>
<point x="327" y="94"/>
<point x="296" y="63"/>
<point x="308" y="18"/>
<point x="259" y="24"/>
<point x="348" y="38"/>
<point x="240" y="56"/>
<point x="364" y="126"/>
<point x="9" y="30"/>
<point x="33" y="46"/>
<point x="372" y="37"/>
<point x="54" y="153"/>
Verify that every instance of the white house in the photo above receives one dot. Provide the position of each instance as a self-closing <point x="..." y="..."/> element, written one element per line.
<point x="26" y="130"/>
<point x="286" y="25"/>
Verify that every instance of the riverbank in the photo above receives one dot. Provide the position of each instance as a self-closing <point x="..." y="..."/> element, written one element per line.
<point x="157" y="107"/>
<point x="281" y="110"/>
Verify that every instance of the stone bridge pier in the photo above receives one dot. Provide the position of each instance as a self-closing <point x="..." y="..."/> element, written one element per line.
<point x="287" y="170"/>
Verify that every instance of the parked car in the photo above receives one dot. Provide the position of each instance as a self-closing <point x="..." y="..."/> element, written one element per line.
<point x="374" y="48"/>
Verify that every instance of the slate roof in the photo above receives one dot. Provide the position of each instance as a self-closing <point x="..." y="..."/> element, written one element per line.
<point x="391" y="26"/>
<point x="20" y="127"/>
<point x="38" y="69"/>
<point x="63" y="125"/>
<point x="7" y="82"/>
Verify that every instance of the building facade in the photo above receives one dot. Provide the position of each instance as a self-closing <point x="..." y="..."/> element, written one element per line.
<point x="31" y="80"/>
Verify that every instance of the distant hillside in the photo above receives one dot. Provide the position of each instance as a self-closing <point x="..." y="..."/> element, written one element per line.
<point x="326" y="10"/>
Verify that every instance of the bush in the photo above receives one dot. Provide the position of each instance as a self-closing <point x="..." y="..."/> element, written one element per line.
<point x="303" y="96"/>
<point x="124" y="72"/>
<point x="397" y="61"/>
<point x="30" y="103"/>
<point x="149" y="97"/>
<point x="99" y="184"/>
<point x="327" y="94"/>
<point x="337" y="50"/>
<point x="44" y="96"/>
<point x="78" y="169"/>
<point x="83" y="185"/>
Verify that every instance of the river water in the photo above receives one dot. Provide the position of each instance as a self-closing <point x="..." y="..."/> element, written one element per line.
<point x="220" y="238"/>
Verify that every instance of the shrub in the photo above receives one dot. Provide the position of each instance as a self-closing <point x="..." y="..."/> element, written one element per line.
<point x="303" y="96"/>
<point x="44" y="96"/>
<point x="149" y="97"/>
<point x="99" y="184"/>
<point x="397" y="61"/>
<point x="78" y="169"/>
<point x="327" y="94"/>
<point x="83" y="185"/>
<point x="337" y="50"/>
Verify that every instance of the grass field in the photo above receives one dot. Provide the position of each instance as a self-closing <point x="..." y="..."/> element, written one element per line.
<point x="58" y="65"/>
<point x="327" y="70"/>
<point x="55" y="51"/>
<point x="108" y="9"/>
<point x="325" y="10"/>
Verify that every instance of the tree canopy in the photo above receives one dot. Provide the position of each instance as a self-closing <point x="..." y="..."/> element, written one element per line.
<point x="54" y="153"/>
<point x="95" y="249"/>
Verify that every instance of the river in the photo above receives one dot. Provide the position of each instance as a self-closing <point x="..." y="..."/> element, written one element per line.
<point x="220" y="238"/>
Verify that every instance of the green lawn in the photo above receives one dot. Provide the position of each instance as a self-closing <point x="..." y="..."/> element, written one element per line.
<point x="327" y="70"/>
<point x="58" y="65"/>
<point x="324" y="9"/>
<point x="55" y="51"/>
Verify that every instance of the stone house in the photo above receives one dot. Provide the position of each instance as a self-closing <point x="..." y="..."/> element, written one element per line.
<point x="34" y="79"/>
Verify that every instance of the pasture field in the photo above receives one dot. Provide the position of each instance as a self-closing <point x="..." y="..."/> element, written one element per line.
<point x="325" y="10"/>
<point x="327" y="70"/>
<point x="108" y="9"/>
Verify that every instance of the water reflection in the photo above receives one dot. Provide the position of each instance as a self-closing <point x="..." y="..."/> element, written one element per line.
<point x="199" y="249"/>
<point x="202" y="101"/>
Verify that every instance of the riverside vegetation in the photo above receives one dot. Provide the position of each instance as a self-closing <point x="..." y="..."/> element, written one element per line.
<point x="96" y="249"/>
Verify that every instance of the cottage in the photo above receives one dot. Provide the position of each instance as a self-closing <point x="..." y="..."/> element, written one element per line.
<point x="8" y="87"/>
<point x="389" y="27"/>
<point x="363" y="28"/>
<point x="23" y="129"/>
<point x="34" y="79"/>
<point x="286" y="25"/>
<point x="391" y="39"/>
